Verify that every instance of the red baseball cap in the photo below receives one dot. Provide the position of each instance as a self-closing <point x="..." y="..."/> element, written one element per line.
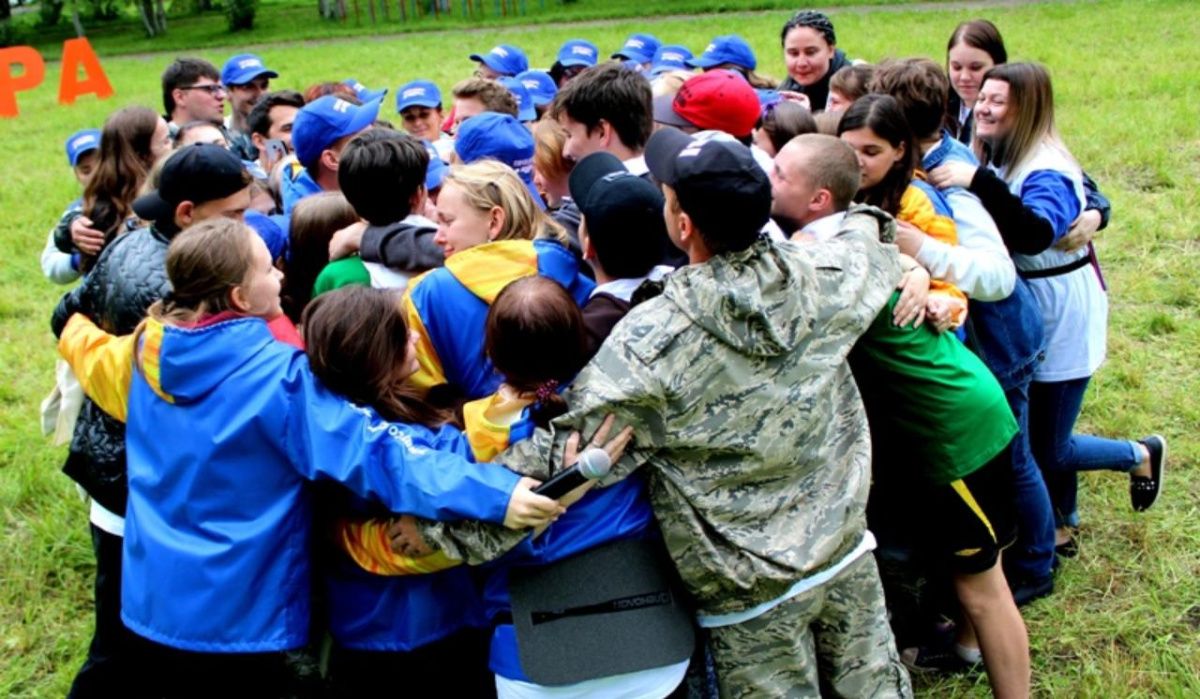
<point x="719" y="100"/>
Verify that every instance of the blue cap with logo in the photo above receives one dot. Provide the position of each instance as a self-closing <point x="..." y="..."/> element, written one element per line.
<point x="418" y="93"/>
<point x="243" y="68"/>
<point x="726" y="49"/>
<point x="578" y="52"/>
<point x="540" y="85"/>
<point x="525" y="107"/>
<point x="670" y="57"/>
<point x="499" y="136"/>
<point x="323" y="121"/>
<point x="435" y="174"/>
<point x="82" y="142"/>
<point x="365" y="94"/>
<point x="639" y="48"/>
<point x="505" y="59"/>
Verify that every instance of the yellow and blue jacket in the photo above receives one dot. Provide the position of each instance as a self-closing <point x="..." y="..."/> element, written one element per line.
<point x="924" y="207"/>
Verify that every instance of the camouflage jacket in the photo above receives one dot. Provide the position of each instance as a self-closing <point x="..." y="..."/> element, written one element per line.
<point x="745" y="413"/>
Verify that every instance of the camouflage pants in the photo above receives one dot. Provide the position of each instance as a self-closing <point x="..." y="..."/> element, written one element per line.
<point x="832" y="641"/>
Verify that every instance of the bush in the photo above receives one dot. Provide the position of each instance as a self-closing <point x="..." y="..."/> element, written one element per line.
<point x="49" y="12"/>
<point x="241" y="14"/>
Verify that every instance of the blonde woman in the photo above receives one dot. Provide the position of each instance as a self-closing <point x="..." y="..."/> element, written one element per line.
<point x="492" y="233"/>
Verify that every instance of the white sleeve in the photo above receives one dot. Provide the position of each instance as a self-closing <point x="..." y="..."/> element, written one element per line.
<point x="56" y="264"/>
<point x="980" y="264"/>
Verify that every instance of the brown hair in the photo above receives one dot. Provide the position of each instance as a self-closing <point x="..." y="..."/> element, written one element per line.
<point x="921" y="88"/>
<point x="549" y="137"/>
<point x="314" y="221"/>
<point x="1031" y="102"/>
<point x="356" y="339"/>
<point x="339" y="90"/>
<point x="494" y="96"/>
<point x="204" y="263"/>
<point x="125" y="159"/>
<point x="536" y="339"/>
<point x="980" y="34"/>
<point x="785" y="120"/>
<point x="852" y="80"/>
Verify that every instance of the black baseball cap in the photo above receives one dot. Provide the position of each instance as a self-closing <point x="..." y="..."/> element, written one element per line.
<point x="716" y="179"/>
<point x="197" y="173"/>
<point x="623" y="215"/>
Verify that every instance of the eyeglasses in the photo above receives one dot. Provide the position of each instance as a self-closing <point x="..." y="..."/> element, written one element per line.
<point x="212" y="89"/>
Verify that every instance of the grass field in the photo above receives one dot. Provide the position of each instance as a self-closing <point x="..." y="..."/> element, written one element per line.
<point x="1126" y="619"/>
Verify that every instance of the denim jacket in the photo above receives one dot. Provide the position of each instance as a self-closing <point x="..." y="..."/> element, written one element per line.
<point x="1006" y="334"/>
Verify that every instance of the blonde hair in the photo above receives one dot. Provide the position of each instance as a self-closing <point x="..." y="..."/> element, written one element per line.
<point x="669" y="83"/>
<point x="489" y="183"/>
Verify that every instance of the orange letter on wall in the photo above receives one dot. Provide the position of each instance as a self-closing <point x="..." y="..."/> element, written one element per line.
<point x="77" y="53"/>
<point x="33" y="70"/>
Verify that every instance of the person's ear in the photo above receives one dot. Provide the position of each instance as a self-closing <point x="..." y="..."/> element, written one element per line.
<point x="903" y="152"/>
<point x="237" y="299"/>
<point x="687" y="229"/>
<point x="185" y="214"/>
<point x="259" y="141"/>
<point x="606" y="132"/>
<point x="822" y="200"/>
<point x="329" y="159"/>
<point x="496" y="219"/>
<point x="585" y="241"/>
<point x="416" y="203"/>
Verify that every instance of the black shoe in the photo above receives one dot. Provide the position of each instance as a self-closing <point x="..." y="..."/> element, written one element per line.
<point x="1067" y="549"/>
<point x="940" y="660"/>
<point x="1027" y="589"/>
<point x="1144" y="491"/>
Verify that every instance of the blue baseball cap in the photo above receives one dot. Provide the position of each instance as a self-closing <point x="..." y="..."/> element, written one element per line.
<point x="671" y="57"/>
<point x="578" y="52"/>
<point x="82" y="142"/>
<point x="418" y="93"/>
<point x="435" y="174"/>
<point x="502" y="137"/>
<point x="243" y="68"/>
<point x="364" y="93"/>
<point x="639" y="48"/>
<point x="726" y="49"/>
<point x="540" y="85"/>
<point x="272" y="229"/>
<point x="321" y="122"/>
<point x="505" y="59"/>
<point x="525" y="108"/>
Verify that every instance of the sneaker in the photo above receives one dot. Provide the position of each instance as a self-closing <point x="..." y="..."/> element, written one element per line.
<point x="1144" y="491"/>
<point x="941" y="660"/>
<point x="1028" y="589"/>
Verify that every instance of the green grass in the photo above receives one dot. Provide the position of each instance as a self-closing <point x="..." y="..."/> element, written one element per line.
<point x="288" y="20"/>
<point x="1126" y="618"/>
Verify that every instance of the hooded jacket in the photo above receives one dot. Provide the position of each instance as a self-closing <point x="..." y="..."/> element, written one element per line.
<point x="404" y="246"/>
<point x="217" y="534"/>
<point x="744" y="411"/>
<point x="448" y="307"/>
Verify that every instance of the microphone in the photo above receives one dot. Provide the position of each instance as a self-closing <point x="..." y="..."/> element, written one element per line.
<point x="593" y="464"/>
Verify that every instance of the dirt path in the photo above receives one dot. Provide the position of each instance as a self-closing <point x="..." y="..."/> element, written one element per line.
<point x="856" y="9"/>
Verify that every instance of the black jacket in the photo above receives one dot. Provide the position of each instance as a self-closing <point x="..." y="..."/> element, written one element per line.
<point x="404" y="246"/>
<point x="818" y="92"/>
<point x="128" y="277"/>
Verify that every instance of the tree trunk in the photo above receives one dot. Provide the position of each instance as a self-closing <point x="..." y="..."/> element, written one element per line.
<point x="160" y="14"/>
<point x="5" y="10"/>
<point x="146" y="10"/>
<point x="74" y="18"/>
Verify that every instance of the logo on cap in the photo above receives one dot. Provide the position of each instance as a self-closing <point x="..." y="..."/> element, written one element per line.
<point x="614" y="176"/>
<point x="710" y="47"/>
<point x="85" y="140"/>
<point x="413" y="92"/>
<point x="531" y="84"/>
<point x="341" y="106"/>
<point x="499" y="51"/>
<point x="581" y="51"/>
<point x="671" y="56"/>
<point x="250" y="63"/>
<point x="636" y="43"/>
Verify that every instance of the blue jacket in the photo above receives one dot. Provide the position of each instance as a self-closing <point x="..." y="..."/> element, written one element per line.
<point x="401" y="613"/>
<point x="226" y="428"/>
<point x="1006" y="334"/>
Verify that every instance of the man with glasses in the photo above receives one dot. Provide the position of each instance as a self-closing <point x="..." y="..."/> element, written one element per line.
<point x="246" y="78"/>
<point x="192" y="91"/>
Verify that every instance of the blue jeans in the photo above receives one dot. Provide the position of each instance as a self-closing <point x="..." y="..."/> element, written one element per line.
<point x="1033" y="554"/>
<point x="1053" y="410"/>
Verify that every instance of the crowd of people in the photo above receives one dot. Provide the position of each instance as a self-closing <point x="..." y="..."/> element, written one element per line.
<point x="815" y="348"/>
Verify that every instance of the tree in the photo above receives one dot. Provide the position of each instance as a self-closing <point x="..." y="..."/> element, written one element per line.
<point x="241" y="14"/>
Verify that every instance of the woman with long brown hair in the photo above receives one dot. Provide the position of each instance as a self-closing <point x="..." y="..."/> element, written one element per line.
<point x="132" y="140"/>
<point x="1033" y="188"/>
